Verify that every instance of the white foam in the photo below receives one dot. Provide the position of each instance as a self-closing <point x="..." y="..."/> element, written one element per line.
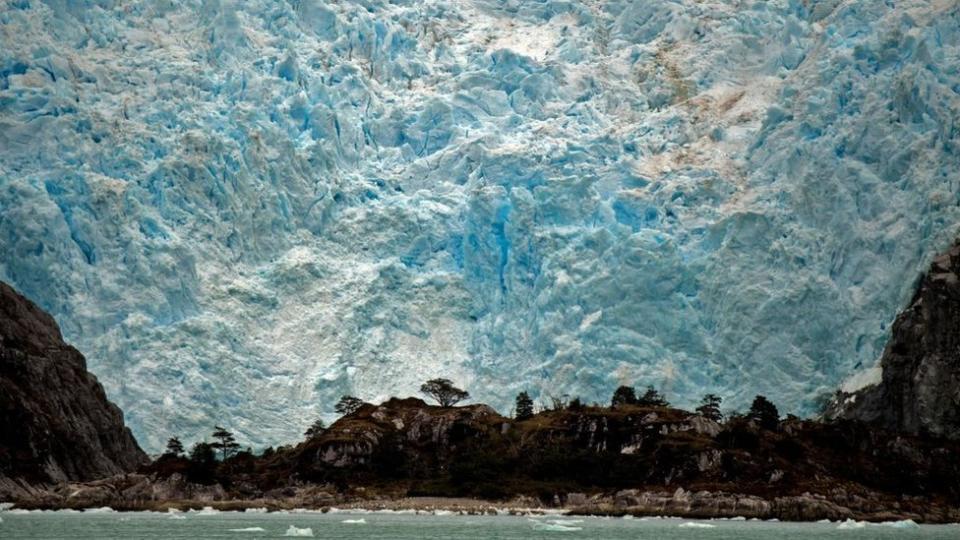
<point x="248" y="529"/>
<point x="256" y="511"/>
<point x="4" y="506"/>
<point x="354" y="521"/>
<point x="565" y="521"/>
<point x="296" y="531"/>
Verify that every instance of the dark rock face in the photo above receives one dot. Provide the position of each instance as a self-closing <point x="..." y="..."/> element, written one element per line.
<point x="920" y="389"/>
<point x="56" y="423"/>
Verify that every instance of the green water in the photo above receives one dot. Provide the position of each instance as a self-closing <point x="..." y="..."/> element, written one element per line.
<point x="104" y="526"/>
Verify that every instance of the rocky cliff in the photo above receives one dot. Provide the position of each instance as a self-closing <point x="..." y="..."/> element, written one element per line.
<point x="56" y="423"/>
<point x="590" y="459"/>
<point x="919" y="391"/>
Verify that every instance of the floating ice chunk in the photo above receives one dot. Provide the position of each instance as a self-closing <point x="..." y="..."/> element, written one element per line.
<point x="354" y="521"/>
<point x="296" y="531"/>
<point x="248" y="529"/>
<point x="850" y="524"/>
<point x="902" y="524"/>
<point x="101" y="510"/>
<point x="207" y="511"/>
<point x="565" y="521"/>
<point x="696" y="525"/>
<point x="552" y="527"/>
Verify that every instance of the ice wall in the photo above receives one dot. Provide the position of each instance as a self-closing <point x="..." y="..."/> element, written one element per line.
<point x="241" y="210"/>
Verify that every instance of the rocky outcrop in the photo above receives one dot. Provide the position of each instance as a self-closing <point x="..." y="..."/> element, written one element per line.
<point x="56" y="424"/>
<point x="621" y="460"/>
<point x="920" y="388"/>
<point x="400" y="426"/>
<point x="836" y="505"/>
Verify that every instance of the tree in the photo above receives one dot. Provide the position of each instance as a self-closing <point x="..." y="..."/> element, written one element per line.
<point x="765" y="413"/>
<point x="226" y="443"/>
<point x="559" y="403"/>
<point x="652" y="398"/>
<point x="524" y="406"/>
<point x="203" y="461"/>
<point x="575" y="404"/>
<point x="174" y="446"/>
<point x="348" y="405"/>
<point x="624" y="395"/>
<point x="315" y="430"/>
<point x="443" y="390"/>
<point x="710" y="407"/>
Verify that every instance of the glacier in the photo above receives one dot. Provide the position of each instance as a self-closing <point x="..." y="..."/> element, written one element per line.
<point x="240" y="211"/>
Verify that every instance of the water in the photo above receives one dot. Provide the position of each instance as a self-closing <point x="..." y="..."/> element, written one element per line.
<point x="105" y="526"/>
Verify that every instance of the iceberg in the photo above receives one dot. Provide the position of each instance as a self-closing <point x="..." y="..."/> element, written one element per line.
<point x="552" y="527"/>
<point x="206" y="511"/>
<point x="901" y="524"/>
<point x="851" y="524"/>
<point x="101" y="510"/>
<point x="261" y="510"/>
<point x="696" y="525"/>
<point x="300" y="532"/>
<point x="242" y="210"/>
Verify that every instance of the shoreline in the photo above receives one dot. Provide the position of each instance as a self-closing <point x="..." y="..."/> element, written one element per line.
<point x="750" y="508"/>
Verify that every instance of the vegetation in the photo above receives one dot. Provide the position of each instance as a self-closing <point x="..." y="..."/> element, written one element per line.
<point x="203" y="463"/>
<point x="524" y="408"/>
<point x="624" y="395"/>
<point x="710" y="407"/>
<point x="174" y="447"/>
<point x="348" y="405"/>
<point x="225" y="443"/>
<point x="444" y="392"/>
<point x="432" y="451"/>
<point x="652" y="398"/>
<point x="575" y="404"/>
<point x="764" y="413"/>
<point x="316" y="429"/>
